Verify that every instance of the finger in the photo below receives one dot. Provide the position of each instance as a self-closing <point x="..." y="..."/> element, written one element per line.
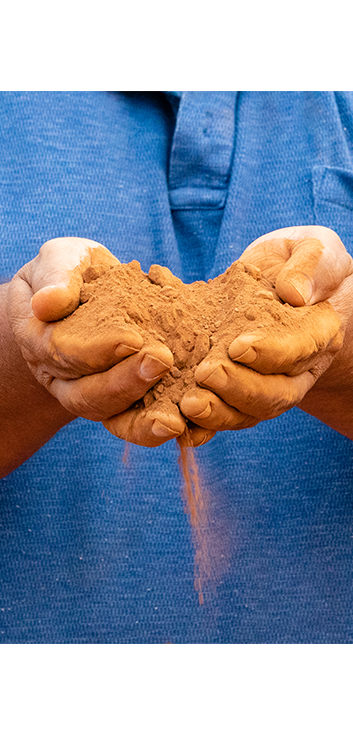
<point x="198" y="435"/>
<point x="261" y="396"/>
<point x="95" y="350"/>
<point x="147" y="427"/>
<point x="47" y="364"/>
<point x="56" y="275"/>
<point x="290" y="352"/>
<point x="102" y="395"/>
<point x="207" y="410"/>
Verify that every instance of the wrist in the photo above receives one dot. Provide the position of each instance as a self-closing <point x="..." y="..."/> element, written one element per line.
<point x="29" y="415"/>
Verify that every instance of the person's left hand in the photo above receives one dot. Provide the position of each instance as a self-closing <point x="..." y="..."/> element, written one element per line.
<point x="263" y="376"/>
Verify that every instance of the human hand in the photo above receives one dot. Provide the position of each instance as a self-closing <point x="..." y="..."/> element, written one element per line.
<point x="306" y="265"/>
<point x="93" y="377"/>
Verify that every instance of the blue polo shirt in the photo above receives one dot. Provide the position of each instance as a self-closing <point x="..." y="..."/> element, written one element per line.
<point x="95" y="550"/>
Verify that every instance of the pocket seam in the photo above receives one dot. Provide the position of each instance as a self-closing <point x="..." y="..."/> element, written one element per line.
<point x="337" y="197"/>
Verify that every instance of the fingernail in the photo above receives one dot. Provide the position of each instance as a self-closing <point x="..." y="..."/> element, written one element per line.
<point x="207" y="438"/>
<point x="151" y="368"/>
<point x="248" y="357"/>
<point x="124" y="350"/>
<point x="241" y="345"/>
<point x="204" y="414"/>
<point x="302" y="286"/>
<point x="218" y="379"/>
<point x="159" y="429"/>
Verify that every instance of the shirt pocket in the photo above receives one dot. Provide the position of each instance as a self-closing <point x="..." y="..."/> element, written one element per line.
<point x="333" y="201"/>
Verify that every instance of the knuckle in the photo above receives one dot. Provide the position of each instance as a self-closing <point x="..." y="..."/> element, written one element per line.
<point x="271" y="401"/>
<point x="83" y="405"/>
<point x="309" y="347"/>
<point x="49" y="245"/>
<point x="130" y="390"/>
<point x="115" y="428"/>
<point x="246" y="422"/>
<point x="283" y="403"/>
<point x="336" y="343"/>
<point x="29" y="354"/>
<point x="41" y="375"/>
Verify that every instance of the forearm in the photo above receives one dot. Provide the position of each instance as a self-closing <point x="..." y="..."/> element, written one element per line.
<point x="29" y="415"/>
<point x="334" y="408"/>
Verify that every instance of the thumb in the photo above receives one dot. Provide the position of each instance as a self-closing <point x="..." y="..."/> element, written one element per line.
<point x="315" y="268"/>
<point x="56" y="275"/>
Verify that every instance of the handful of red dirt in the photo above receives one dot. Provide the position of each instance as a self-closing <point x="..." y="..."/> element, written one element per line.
<point x="190" y="319"/>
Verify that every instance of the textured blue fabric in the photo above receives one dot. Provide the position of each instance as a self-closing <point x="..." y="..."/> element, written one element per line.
<point x="96" y="551"/>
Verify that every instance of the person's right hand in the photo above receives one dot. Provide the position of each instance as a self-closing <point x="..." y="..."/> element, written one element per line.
<point x="94" y="378"/>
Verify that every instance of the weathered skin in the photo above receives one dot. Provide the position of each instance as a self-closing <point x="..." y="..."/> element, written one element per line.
<point x="306" y="265"/>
